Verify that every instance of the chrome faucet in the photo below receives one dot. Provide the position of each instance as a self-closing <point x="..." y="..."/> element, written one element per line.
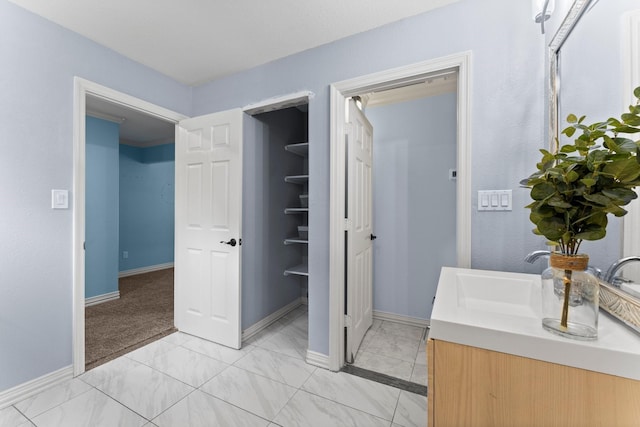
<point x="613" y="269"/>
<point x="533" y="256"/>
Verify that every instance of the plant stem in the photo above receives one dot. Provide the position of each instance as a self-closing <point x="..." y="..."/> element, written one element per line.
<point x="565" y="304"/>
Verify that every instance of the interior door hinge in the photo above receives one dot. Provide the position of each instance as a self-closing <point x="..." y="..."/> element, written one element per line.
<point x="347" y="321"/>
<point x="346" y="224"/>
<point x="350" y="358"/>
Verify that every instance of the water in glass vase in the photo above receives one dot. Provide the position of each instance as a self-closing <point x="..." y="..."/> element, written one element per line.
<point x="570" y="298"/>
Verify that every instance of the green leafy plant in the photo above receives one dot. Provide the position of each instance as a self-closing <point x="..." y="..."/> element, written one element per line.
<point x="578" y="185"/>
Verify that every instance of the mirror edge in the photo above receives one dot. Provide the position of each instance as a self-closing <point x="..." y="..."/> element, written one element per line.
<point x="574" y="14"/>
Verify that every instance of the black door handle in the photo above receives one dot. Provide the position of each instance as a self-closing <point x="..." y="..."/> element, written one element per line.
<point x="373" y="237"/>
<point x="231" y="242"/>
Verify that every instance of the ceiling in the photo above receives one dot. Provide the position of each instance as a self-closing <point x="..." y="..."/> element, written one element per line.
<point x="195" y="41"/>
<point x="136" y="128"/>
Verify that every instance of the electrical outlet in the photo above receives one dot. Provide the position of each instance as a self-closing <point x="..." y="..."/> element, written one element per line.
<point x="125" y="254"/>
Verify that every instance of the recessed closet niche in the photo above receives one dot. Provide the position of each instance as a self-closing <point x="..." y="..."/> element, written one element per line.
<point x="275" y="212"/>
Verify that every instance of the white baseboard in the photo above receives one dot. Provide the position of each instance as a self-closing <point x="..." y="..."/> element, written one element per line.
<point x="273" y="317"/>
<point x="317" y="359"/>
<point x="99" y="299"/>
<point x="30" y="388"/>
<point x="143" y="270"/>
<point x="407" y="320"/>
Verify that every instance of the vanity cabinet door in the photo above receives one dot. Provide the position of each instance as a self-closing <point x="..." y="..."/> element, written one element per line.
<point x="469" y="386"/>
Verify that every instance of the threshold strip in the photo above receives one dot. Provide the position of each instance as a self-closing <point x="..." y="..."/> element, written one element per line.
<point x="386" y="379"/>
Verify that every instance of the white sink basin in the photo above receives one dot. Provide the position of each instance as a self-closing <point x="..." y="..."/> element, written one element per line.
<point x="493" y="293"/>
<point x="500" y="311"/>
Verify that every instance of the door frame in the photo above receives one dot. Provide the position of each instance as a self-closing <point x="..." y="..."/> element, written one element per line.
<point x="386" y="79"/>
<point x="82" y="88"/>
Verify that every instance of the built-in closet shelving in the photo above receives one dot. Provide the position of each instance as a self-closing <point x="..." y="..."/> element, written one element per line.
<point x="297" y="179"/>
<point x="301" y="209"/>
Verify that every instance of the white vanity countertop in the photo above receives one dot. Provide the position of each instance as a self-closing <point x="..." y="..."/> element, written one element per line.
<point x="476" y="308"/>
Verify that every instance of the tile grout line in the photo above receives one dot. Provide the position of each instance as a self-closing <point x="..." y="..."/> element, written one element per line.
<point x="53" y="407"/>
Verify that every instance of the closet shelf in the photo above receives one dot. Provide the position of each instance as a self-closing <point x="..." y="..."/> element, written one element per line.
<point x="301" y="149"/>
<point x="300" y="270"/>
<point x="298" y="239"/>
<point x="296" y="210"/>
<point x="297" y="179"/>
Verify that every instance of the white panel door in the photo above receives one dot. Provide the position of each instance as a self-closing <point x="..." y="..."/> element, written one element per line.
<point x="208" y="227"/>
<point x="360" y="228"/>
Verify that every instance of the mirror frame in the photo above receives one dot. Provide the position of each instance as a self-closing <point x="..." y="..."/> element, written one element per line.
<point x="578" y="8"/>
<point x="622" y="306"/>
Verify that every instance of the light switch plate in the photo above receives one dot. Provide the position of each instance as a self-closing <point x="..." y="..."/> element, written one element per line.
<point x="59" y="199"/>
<point x="494" y="200"/>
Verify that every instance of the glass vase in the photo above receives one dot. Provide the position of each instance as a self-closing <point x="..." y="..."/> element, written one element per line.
<point x="570" y="296"/>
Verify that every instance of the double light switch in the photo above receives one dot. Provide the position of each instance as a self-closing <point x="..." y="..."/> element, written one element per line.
<point x="494" y="200"/>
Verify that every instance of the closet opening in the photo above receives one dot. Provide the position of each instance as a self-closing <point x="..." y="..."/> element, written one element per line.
<point x="275" y="242"/>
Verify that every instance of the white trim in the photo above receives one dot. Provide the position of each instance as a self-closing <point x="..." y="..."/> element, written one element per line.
<point x="99" y="299"/>
<point x="398" y="318"/>
<point x="105" y="116"/>
<point x="35" y="386"/>
<point x="81" y="89"/>
<point x="278" y="103"/>
<point x="389" y="78"/>
<point x="148" y="269"/>
<point x="631" y="79"/>
<point x="317" y="359"/>
<point x="272" y="318"/>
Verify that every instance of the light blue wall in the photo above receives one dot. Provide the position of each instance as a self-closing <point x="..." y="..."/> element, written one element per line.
<point x="414" y="202"/>
<point x="101" y="226"/>
<point x="506" y="128"/>
<point x="39" y="61"/>
<point x="147" y="178"/>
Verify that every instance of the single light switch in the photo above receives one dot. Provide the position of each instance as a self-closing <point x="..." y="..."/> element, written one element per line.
<point x="504" y="200"/>
<point x="59" y="199"/>
<point x="494" y="200"/>
<point x="484" y="200"/>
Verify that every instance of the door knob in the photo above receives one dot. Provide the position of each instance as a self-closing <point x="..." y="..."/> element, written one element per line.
<point x="231" y="242"/>
<point x="373" y="237"/>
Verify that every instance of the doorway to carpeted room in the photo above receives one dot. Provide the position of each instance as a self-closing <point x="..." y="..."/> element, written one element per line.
<point x="142" y="314"/>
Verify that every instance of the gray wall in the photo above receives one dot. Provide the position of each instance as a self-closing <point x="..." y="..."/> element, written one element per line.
<point x="507" y="119"/>
<point x="39" y="61"/>
<point x="264" y="225"/>
<point x="414" y="202"/>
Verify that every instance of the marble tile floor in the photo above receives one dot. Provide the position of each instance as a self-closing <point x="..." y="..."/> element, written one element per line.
<point x="185" y="381"/>
<point x="394" y="349"/>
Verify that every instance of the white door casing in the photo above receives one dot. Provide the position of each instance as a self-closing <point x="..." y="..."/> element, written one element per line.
<point x="359" y="133"/>
<point x="81" y="89"/>
<point x="380" y="81"/>
<point x="208" y="221"/>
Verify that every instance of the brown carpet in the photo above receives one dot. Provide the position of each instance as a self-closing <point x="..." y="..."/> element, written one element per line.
<point x="142" y="314"/>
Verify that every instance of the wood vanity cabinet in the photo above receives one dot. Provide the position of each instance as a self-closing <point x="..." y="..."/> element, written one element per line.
<point x="470" y="386"/>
